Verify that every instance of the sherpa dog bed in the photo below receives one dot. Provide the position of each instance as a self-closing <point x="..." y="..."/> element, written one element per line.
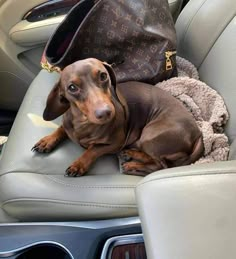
<point x="207" y="107"/>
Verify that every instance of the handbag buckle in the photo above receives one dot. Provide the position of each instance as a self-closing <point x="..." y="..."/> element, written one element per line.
<point x="169" y="64"/>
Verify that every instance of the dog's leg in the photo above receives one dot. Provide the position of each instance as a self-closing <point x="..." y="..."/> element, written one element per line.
<point x="132" y="154"/>
<point x="48" y="143"/>
<point x="81" y="165"/>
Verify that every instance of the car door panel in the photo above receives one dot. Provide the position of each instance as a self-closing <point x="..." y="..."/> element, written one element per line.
<point x="29" y="34"/>
<point x="14" y="76"/>
<point x="12" y="11"/>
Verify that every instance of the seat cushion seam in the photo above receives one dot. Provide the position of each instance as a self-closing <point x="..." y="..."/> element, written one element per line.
<point x="84" y="204"/>
<point x="169" y="178"/>
<point x="21" y="171"/>
<point x="190" y="22"/>
<point x="73" y="185"/>
<point x="91" y="186"/>
<point x="233" y="16"/>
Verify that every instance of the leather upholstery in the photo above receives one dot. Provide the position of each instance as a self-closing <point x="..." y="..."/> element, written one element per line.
<point x="206" y="33"/>
<point x="188" y="212"/>
<point x="232" y="153"/>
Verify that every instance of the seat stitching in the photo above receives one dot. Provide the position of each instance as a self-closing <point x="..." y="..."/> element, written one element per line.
<point x="53" y="179"/>
<point x="190" y="21"/>
<point x="84" y="204"/>
<point x="89" y="186"/>
<point x="233" y="16"/>
<point x="206" y="173"/>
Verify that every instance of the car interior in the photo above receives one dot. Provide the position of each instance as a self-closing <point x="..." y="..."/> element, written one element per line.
<point x="184" y="212"/>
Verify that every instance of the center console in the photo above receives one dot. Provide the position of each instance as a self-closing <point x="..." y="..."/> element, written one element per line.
<point x="119" y="238"/>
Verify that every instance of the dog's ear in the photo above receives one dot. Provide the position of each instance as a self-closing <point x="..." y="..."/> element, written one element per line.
<point x="111" y="73"/>
<point x="115" y="91"/>
<point x="56" y="104"/>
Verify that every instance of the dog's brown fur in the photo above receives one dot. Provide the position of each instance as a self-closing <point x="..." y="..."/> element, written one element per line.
<point x="154" y="127"/>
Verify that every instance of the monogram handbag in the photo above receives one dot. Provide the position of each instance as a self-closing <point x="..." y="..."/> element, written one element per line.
<point x="137" y="37"/>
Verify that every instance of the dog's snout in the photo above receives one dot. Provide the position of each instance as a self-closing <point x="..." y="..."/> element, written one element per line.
<point x="103" y="113"/>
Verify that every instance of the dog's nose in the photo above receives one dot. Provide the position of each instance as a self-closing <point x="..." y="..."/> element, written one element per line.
<point x="103" y="113"/>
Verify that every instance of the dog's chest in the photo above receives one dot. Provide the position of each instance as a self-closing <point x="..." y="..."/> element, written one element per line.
<point x="90" y="135"/>
<point x="86" y="134"/>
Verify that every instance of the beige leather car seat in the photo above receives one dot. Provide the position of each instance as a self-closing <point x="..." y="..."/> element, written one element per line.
<point x="33" y="186"/>
<point x="189" y="212"/>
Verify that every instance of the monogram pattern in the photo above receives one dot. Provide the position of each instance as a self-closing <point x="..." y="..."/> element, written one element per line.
<point x="133" y="35"/>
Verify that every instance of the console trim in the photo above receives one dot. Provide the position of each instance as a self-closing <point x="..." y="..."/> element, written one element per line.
<point x="12" y="252"/>
<point x="119" y="240"/>
<point x="97" y="224"/>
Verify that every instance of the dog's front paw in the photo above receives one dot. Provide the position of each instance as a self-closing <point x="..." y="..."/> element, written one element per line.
<point x="76" y="169"/>
<point x="44" y="145"/>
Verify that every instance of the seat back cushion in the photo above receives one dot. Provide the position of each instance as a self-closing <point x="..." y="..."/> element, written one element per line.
<point x="206" y="32"/>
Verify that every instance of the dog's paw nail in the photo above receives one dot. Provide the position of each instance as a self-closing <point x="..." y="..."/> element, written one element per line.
<point x="35" y="148"/>
<point x="67" y="173"/>
<point x="75" y="170"/>
<point x="123" y="167"/>
<point x="71" y="173"/>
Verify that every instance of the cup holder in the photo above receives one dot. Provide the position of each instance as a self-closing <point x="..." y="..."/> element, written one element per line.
<point x="45" y="250"/>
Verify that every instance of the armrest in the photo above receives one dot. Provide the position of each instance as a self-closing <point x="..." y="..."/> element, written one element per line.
<point x="189" y="212"/>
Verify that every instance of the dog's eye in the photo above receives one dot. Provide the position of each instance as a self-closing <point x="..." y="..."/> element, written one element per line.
<point x="103" y="76"/>
<point x="73" y="88"/>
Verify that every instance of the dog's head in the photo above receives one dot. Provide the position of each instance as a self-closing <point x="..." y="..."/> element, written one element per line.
<point x="87" y="85"/>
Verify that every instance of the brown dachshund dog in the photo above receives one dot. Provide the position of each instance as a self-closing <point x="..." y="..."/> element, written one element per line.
<point x="154" y="127"/>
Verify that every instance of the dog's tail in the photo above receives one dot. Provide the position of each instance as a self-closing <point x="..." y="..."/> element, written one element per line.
<point x="198" y="150"/>
<point x="182" y="158"/>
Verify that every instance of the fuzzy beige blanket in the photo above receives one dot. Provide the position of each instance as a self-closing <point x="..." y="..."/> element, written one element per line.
<point x="207" y="107"/>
